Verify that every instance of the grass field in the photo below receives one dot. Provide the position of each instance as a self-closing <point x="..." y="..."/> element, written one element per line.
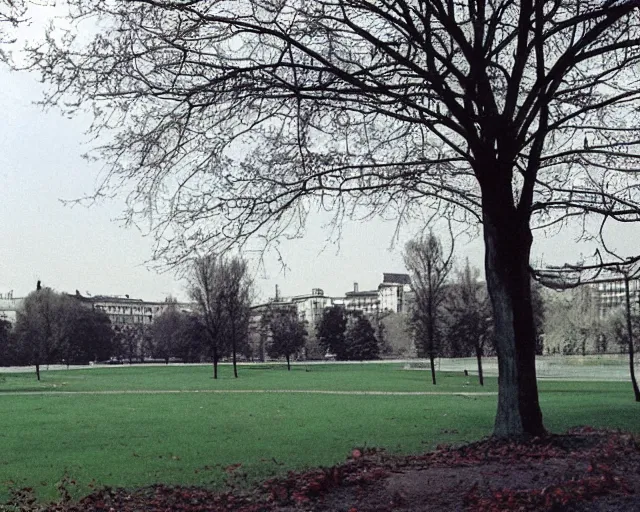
<point x="136" y="439"/>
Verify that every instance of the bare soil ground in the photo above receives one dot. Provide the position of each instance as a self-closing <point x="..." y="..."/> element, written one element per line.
<point x="585" y="469"/>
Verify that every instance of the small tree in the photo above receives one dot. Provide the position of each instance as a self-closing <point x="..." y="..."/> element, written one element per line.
<point x="236" y="302"/>
<point x="331" y="332"/>
<point x="35" y="328"/>
<point x="429" y="267"/>
<point x="207" y="290"/>
<point x="360" y="339"/>
<point x="288" y="336"/>
<point x="469" y="320"/>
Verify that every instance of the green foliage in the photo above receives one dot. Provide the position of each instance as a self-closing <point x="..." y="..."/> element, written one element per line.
<point x="287" y="335"/>
<point x="361" y="343"/>
<point x="331" y="332"/>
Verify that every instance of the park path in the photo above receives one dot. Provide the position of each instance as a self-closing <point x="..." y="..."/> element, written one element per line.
<point x="248" y="391"/>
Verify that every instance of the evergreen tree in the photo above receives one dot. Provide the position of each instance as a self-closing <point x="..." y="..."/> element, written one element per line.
<point x="361" y="342"/>
<point x="331" y="332"/>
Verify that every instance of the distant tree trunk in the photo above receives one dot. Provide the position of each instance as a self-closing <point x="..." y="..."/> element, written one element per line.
<point x="38" y="368"/>
<point x="479" y="358"/>
<point x="166" y="361"/>
<point x="508" y="238"/>
<point x="215" y="361"/>
<point x="288" y="363"/>
<point x="433" y="367"/>
<point x="233" y="349"/>
<point x="632" y="370"/>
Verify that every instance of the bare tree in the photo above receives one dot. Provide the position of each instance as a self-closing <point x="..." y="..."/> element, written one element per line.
<point x="236" y="301"/>
<point x="226" y="122"/>
<point x="469" y="313"/>
<point x="429" y="267"/>
<point x="12" y="12"/>
<point x="206" y="288"/>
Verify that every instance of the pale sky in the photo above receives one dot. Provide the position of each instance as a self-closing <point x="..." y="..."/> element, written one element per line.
<point x="88" y="250"/>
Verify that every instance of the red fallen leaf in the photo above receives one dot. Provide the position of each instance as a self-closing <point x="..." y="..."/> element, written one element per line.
<point x="356" y="454"/>
<point x="353" y="509"/>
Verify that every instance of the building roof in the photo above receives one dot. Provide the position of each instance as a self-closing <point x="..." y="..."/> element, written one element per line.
<point x="396" y="278"/>
<point x="366" y="293"/>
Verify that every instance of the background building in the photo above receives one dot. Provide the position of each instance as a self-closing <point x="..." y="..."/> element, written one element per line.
<point x="9" y="305"/>
<point x="123" y="310"/>
<point x="609" y="295"/>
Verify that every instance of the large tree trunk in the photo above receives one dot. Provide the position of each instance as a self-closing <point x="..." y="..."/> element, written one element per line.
<point x="508" y="243"/>
<point x="479" y="358"/>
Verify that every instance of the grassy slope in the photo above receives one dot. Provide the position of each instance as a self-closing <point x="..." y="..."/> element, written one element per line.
<point x="131" y="440"/>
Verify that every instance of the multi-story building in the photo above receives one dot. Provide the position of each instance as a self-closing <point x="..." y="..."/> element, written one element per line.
<point x="610" y="294"/>
<point x="390" y="297"/>
<point x="309" y="307"/>
<point x="367" y="301"/>
<point x="9" y="305"/>
<point x="392" y="292"/>
<point x="123" y="310"/>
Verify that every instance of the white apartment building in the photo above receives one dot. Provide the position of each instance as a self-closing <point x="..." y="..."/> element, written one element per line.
<point x="123" y="310"/>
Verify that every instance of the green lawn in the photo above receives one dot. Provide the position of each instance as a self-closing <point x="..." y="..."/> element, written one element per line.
<point x="138" y="439"/>
<point x="364" y="377"/>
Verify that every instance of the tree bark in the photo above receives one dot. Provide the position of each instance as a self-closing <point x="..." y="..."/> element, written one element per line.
<point x="508" y="240"/>
<point x="38" y="369"/>
<point x="632" y="370"/>
<point x="479" y="358"/>
<point x="433" y="367"/>
<point x="233" y="351"/>
<point x="431" y="333"/>
<point x="288" y="364"/>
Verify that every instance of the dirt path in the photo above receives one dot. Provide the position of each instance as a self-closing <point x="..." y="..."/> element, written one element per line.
<point x="240" y="391"/>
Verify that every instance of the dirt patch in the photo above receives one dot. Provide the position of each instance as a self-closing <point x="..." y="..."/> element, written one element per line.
<point x="586" y="469"/>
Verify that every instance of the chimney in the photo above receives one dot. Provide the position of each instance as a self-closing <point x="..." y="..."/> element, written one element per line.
<point x="277" y="293"/>
<point x="355" y="287"/>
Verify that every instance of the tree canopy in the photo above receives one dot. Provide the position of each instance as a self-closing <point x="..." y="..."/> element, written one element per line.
<point x="288" y="335"/>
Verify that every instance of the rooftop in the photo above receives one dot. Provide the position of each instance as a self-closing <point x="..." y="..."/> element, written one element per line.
<point x="396" y="278"/>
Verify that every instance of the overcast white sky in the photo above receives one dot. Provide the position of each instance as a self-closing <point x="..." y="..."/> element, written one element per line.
<point x="86" y="249"/>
